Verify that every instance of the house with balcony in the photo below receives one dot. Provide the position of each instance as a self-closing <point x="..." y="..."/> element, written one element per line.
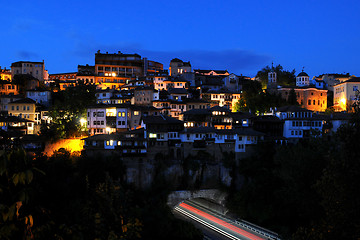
<point x="17" y="125"/>
<point x="127" y="144"/>
<point x="218" y="141"/>
<point x="162" y="134"/>
<point x="300" y="122"/>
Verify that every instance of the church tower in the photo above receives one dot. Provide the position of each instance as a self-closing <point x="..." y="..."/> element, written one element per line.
<point x="272" y="78"/>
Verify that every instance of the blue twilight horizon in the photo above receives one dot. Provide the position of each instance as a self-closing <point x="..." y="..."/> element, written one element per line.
<point x="240" y="36"/>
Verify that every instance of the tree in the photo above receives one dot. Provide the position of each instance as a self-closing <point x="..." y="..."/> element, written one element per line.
<point x="16" y="190"/>
<point x="284" y="77"/>
<point x="66" y="113"/>
<point x="292" y="99"/>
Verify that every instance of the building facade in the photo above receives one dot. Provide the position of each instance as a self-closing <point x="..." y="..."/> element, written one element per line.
<point x="35" y="69"/>
<point x="345" y="94"/>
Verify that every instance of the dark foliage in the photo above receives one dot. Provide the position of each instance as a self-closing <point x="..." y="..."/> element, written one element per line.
<point x="77" y="197"/>
<point x="304" y="191"/>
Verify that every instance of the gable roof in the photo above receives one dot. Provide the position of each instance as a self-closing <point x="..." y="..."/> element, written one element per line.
<point x="292" y="108"/>
<point x="24" y="100"/>
<point x="162" y="119"/>
<point x="177" y="91"/>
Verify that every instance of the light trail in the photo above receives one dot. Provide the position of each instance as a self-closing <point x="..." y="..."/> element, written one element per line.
<point x="218" y="221"/>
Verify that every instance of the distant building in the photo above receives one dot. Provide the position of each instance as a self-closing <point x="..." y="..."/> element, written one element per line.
<point x="234" y="82"/>
<point x="114" y="70"/>
<point x="35" y="69"/>
<point x="178" y="67"/>
<point x="332" y="79"/>
<point x="85" y="74"/>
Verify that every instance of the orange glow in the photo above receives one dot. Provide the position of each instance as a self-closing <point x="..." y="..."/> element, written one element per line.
<point x="72" y="145"/>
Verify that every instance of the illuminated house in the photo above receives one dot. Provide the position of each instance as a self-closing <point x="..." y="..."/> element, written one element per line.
<point x="168" y="83"/>
<point x="16" y="124"/>
<point x="164" y="106"/>
<point x="25" y="108"/>
<point x="7" y="87"/>
<point x="106" y="119"/>
<point x="217" y="117"/>
<point x="5" y="74"/>
<point x="111" y="118"/>
<point x="221" y="97"/>
<point x="178" y="67"/>
<point x="35" y="69"/>
<point x="114" y="70"/>
<point x="345" y="93"/>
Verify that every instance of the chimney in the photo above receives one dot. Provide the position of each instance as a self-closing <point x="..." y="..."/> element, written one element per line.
<point x="98" y="51"/>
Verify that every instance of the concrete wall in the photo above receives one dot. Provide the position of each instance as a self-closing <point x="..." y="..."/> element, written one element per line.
<point x="214" y="194"/>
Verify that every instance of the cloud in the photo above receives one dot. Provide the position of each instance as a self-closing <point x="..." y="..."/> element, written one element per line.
<point x="26" y="55"/>
<point x="234" y="60"/>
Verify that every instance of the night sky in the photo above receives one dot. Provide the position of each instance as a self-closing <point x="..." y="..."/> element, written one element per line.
<point x="240" y="36"/>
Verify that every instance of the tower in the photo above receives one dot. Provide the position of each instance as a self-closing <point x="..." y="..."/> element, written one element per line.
<point x="272" y="78"/>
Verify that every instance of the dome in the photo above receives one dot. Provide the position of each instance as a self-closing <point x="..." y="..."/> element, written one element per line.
<point x="303" y="74"/>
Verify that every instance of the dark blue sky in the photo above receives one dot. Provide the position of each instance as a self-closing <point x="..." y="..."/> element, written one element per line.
<point x="240" y="36"/>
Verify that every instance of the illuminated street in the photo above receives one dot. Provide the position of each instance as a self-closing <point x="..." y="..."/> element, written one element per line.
<point x="225" y="227"/>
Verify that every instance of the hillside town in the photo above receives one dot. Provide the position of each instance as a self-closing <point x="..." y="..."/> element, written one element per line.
<point x="120" y="147"/>
<point x="142" y="109"/>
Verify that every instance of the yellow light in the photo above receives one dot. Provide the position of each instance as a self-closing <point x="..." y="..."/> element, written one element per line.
<point x="343" y="101"/>
<point x="73" y="145"/>
<point x="107" y="130"/>
<point x="113" y="74"/>
<point x="82" y="122"/>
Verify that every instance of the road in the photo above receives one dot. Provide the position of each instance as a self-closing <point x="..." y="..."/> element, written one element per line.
<point x="221" y="228"/>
